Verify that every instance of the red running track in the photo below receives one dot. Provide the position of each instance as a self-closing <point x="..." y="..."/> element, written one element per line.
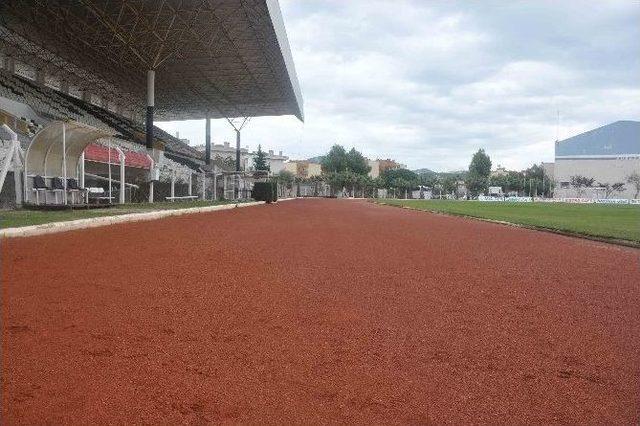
<point x="318" y="311"/>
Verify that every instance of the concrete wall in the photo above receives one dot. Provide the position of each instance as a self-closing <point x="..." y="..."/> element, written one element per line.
<point x="291" y="167"/>
<point x="303" y="168"/>
<point x="276" y="165"/>
<point x="375" y="169"/>
<point x="314" y="170"/>
<point x="549" y="170"/>
<point x="604" y="170"/>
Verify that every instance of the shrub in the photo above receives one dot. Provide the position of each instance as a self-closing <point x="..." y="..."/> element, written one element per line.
<point x="265" y="191"/>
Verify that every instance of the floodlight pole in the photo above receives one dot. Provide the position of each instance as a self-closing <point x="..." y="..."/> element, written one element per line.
<point x="122" y="160"/>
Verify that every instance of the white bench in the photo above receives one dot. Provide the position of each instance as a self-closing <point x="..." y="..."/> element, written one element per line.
<point x="184" y="197"/>
<point x="96" y="193"/>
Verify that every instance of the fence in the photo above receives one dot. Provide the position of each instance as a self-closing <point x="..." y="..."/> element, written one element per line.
<point x="487" y="198"/>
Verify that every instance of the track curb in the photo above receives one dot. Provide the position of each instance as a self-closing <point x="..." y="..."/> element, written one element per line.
<point x="94" y="222"/>
<point x="613" y="241"/>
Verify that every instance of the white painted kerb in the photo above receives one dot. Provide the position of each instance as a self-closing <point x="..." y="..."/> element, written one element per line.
<point x="54" y="227"/>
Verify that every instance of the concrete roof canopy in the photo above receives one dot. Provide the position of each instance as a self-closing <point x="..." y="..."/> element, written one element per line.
<point x="215" y="58"/>
<point x="618" y="138"/>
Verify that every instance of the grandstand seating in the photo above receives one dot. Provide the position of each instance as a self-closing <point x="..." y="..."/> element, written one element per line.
<point x="54" y="104"/>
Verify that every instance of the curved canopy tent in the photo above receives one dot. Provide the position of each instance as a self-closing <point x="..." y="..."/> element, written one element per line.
<point x="56" y="150"/>
<point x="45" y="152"/>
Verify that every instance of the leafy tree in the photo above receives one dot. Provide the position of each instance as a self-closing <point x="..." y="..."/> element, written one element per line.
<point x="401" y="180"/>
<point x="260" y="160"/>
<point x="336" y="160"/>
<point x="479" y="170"/>
<point x="357" y="163"/>
<point x="580" y="183"/>
<point x="391" y="175"/>
<point x="499" y="180"/>
<point x="618" y="187"/>
<point x="336" y="181"/>
<point x="285" y="177"/>
<point x="429" y="180"/>
<point x="542" y="183"/>
<point x="225" y="163"/>
<point x="450" y="185"/>
<point x="610" y="189"/>
<point x="316" y="180"/>
<point x="634" y="179"/>
<point x="377" y="183"/>
<point x="480" y="164"/>
<point x="476" y="184"/>
<point x="514" y="181"/>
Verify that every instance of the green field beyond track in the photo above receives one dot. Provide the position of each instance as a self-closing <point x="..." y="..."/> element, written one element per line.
<point x="18" y="218"/>
<point x="598" y="220"/>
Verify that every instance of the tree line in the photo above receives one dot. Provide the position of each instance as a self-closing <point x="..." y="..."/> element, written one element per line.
<point x="349" y="171"/>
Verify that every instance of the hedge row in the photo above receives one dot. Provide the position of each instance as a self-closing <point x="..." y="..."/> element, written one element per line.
<point x="265" y="191"/>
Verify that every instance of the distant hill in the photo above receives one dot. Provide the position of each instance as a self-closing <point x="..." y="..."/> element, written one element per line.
<point x="429" y="173"/>
<point x="317" y="159"/>
<point x="425" y="172"/>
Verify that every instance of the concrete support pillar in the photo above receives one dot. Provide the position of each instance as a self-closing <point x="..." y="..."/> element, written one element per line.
<point x="17" y="177"/>
<point x="151" y="177"/>
<point x="224" y="186"/>
<point x="150" y="103"/>
<point x="81" y="170"/>
<point x="207" y="141"/>
<point x="215" y="185"/>
<point x="110" y="180"/>
<point x="64" y="162"/>
<point x="190" y="183"/>
<point x="122" y="177"/>
<point x="238" y="151"/>
<point x="173" y="187"/>
<point x="203" y="195"/>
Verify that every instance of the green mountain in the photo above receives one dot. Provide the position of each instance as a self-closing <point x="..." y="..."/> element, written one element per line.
<point x="424" y="172"/>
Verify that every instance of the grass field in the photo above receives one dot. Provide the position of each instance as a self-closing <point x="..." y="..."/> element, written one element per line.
<point x="18" y="218"/>
<point x="598" y="220"/>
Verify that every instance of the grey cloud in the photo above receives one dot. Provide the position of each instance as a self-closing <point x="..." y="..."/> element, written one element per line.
<point x="428" y="83"/>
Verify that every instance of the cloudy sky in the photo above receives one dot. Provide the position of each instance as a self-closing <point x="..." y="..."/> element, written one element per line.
<point x="428" y="83"/>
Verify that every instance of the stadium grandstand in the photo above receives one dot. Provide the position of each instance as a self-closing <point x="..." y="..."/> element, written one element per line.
<point x="81" y="83"/>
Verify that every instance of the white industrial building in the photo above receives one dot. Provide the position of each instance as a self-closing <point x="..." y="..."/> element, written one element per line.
<point x="608" y="154"/>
